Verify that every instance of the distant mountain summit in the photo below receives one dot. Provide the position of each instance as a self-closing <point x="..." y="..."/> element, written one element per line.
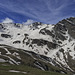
<point x="56" y="42"/>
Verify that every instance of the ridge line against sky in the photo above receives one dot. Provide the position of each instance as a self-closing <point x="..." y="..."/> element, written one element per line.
<point x="46" y="11"/>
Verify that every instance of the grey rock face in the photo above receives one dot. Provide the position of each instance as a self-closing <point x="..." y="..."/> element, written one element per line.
<point x="69" y="25"/>
<point x="41" y="42"/>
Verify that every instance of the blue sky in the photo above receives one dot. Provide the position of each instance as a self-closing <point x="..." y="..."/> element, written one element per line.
<point x="46" y="11"/>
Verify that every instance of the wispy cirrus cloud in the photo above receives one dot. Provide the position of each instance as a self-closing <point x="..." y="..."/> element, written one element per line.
<point x="47" y="11"/>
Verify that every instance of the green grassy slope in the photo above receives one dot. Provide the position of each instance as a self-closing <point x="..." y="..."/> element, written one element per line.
<point x="4" y="70"/>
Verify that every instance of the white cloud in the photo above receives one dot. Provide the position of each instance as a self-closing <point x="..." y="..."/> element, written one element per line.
<point x="29" y="21"/>
<point x="46" y="11"/>
<point x="7" y="20"/>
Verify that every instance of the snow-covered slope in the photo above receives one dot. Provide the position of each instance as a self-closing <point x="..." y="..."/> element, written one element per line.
<point x="54" y="41"/>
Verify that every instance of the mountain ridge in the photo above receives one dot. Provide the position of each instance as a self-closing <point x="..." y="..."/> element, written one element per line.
<point x="54" y="41"/>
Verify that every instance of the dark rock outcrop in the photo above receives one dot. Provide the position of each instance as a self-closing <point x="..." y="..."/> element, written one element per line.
<point x="6" y="35"/>
<point x="41" y="42"/>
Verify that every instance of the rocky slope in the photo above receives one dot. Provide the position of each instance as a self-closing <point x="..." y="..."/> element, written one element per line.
<point x="56" y="42"/>
<point x="11" y="56"/>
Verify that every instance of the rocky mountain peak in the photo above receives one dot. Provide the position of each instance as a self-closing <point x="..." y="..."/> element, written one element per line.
<point x="67" y="25"/>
